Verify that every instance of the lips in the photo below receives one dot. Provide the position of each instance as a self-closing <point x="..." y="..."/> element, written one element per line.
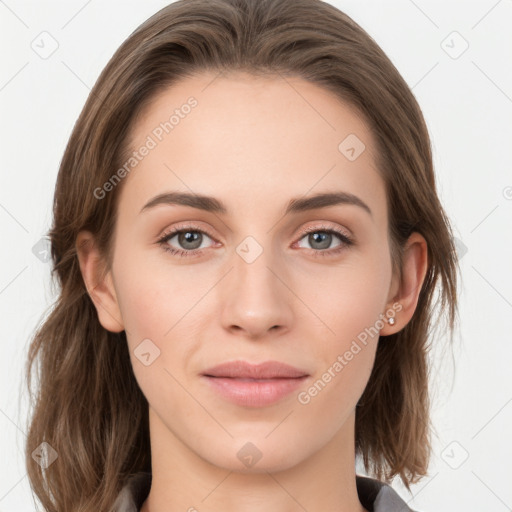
<point x="244" y="370"/>
<point x="251" y="385"/>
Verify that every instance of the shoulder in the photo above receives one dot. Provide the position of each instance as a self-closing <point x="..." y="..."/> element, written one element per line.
<point x="377" y="496"/>
<point x="133" y="494"/>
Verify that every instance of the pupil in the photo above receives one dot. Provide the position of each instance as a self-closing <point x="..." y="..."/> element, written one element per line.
<point x="190" y="237"/>
<point x="322" y="237"/>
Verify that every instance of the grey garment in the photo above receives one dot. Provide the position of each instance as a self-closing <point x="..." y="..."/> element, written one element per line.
<point x="375" y="496"/>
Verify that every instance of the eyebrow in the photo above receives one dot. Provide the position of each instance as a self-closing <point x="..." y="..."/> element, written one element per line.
<point x="295" y="205"/>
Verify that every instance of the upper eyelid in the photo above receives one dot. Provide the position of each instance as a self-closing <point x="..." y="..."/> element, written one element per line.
<point x="190" y="227"/>
<point x="172" y="232"/>
<point x="313" y="228"/>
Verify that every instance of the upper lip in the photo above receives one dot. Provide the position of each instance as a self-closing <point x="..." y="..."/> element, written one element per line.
<point x="266" y="370"/>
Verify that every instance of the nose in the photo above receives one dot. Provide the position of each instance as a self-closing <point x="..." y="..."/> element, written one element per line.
<point x="256" y="298"/>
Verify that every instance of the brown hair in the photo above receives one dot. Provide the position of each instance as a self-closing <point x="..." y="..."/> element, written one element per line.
<point x="89" y="407"/>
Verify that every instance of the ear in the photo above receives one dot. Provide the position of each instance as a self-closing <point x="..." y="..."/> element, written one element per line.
<point x="99" y="284"/>
<point x="405" y="294"/>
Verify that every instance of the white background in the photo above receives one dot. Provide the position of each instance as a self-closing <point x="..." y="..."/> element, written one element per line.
<point x="467" y="103"/>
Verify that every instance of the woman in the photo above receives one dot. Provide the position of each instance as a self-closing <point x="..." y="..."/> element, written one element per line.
<point x="249" y="369"/>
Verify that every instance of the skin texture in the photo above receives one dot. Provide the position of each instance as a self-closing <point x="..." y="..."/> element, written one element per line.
<point x="253" y="143"/>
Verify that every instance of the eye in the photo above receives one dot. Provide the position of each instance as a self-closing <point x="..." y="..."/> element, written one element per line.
<point x="320" y="238"/>
<point x="189" y="237"/>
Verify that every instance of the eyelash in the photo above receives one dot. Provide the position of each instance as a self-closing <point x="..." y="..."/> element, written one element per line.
<point x="346" y="240"/>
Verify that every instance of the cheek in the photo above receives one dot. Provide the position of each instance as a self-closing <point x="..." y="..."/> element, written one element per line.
<point x="349" y="300"/>
<point x="346" y="299"/>
<point x="155" y="296"/>
<point x="154" y="307"/>
<point x="161" y="307"/>
<point x="345" y="357"/>
<point x="332" y="395"/>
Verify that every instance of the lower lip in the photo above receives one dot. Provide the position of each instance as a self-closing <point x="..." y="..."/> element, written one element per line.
<point x="254" y="393"/>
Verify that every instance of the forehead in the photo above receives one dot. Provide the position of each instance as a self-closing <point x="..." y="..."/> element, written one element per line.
<point x="249" y="139"/>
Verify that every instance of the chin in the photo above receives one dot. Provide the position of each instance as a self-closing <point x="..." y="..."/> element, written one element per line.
<point x="256" y="454"/>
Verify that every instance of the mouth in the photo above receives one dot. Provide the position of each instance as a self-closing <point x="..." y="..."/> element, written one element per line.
<point x="254" y="385"/>
<point x="244" y="370"/>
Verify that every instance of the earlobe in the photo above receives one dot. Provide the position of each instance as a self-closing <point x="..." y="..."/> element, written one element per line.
<point x="414" y="269"/>
<point x="99" y="284"/>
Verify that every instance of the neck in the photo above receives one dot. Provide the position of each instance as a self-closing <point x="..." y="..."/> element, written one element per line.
<point x="184" y="481"/>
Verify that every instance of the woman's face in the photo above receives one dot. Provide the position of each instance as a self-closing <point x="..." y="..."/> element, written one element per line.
<point x="248" y="283"/>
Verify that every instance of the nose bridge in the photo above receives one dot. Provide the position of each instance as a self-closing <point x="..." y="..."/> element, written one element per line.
<point x="257" y="300"/>
<point x="252" y="262"/>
